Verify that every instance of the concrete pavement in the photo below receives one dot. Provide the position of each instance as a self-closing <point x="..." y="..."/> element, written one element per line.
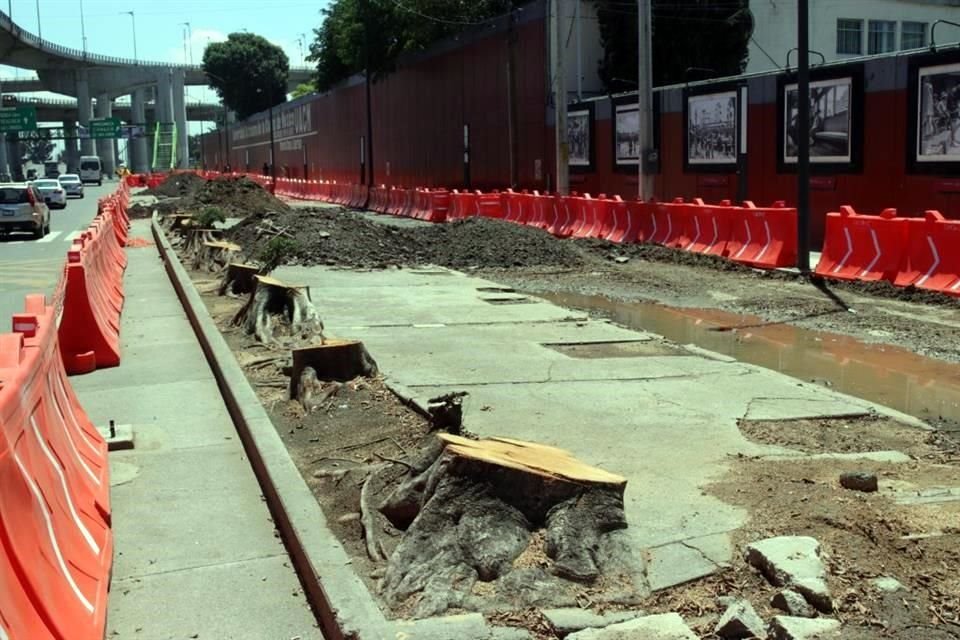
<point x="34" y="266"/>
<point x="666" y="419"/>
<point x="196" y="551"/>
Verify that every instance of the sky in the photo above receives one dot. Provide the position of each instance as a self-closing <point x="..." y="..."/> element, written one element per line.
<point x="161" y="34"/>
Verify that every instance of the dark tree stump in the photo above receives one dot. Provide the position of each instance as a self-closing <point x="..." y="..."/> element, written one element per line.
<point x="238" y="279"/>
<point x="213" y="255"/>
<point x="273" y="304"/>
<point x="339" y="360"/>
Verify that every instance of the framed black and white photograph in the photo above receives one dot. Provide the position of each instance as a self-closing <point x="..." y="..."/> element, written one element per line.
<point x="937" y="114"/>
<point x="625" y="115"/>
<point x="830" y="121"/>
<point x="836" y="120"/>
<point x="580" y="137"/>
<point x="712" y="130"/>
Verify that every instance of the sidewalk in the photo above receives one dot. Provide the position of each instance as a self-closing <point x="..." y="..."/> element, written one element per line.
<point x="196" y="551"/>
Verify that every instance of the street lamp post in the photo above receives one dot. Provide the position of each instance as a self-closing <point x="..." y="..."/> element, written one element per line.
<point x="83" y="30"/>
<point x="133" y="19"/>
<point x="188" y="42"/>
<point x="39" y="31"/>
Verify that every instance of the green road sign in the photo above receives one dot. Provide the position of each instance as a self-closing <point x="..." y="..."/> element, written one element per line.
<point x="18" y="119"/>
<point x="105" y="128"/>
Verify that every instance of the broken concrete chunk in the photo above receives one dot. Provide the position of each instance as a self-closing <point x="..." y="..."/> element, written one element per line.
<point x="793" y="561"/>
<point x="740" y="621"/>
<point x="572" y="619"/>
<point x="887" y="584"/>
<point x="859" y="481"/>
<point x="790" y="628"/>
<point x="792" y="603"/>
<point x="665" y="626"/>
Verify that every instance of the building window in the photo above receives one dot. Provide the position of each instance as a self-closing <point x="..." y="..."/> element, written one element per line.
<point x="883" y="36"/>
<point x="850" y="36"/>
<point x="913" y="35"/>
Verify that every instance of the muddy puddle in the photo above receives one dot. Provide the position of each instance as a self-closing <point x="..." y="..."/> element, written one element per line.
<point x="890" y="376"/>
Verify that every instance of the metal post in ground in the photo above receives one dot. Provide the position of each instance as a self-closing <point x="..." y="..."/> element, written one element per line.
<point x="803" y="137"/>
<point x="559" y="100"/>
<point x="645" y="103"/>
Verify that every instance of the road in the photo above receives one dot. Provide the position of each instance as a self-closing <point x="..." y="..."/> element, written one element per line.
<point x="32" y="266"/>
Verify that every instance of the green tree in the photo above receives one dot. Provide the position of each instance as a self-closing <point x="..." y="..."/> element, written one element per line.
<point x="692" y="40"/>
<point x="391" y="28"/>
<point x="36" y="150"/>
<point x="247" y="72"/>
<point x="303" y="89"/>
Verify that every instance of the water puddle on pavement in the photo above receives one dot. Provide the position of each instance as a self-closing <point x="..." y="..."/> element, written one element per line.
<point x="894" y="377"/>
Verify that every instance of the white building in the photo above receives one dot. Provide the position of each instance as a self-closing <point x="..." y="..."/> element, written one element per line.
<point x="847" y="28"/>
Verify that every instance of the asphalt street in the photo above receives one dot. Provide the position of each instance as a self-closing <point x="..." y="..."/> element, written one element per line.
<point x="33" y="266"/>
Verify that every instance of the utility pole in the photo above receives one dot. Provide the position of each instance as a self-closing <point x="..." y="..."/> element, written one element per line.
<point x="560" y="101"/>
<point x="645" y="102"/>
<point x="366" y="63"/>
<point x="83" y="30"/>
<point x="39" y="28"/>
<point x="803" y="137"/>
<point x="576" y="17"/>
<point x="512" y="116"/>
<point x="133" y="24"/>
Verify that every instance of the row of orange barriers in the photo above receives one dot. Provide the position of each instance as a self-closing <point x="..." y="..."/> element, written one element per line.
<point x="908" y="252"/>
<point x="56" y="542"/>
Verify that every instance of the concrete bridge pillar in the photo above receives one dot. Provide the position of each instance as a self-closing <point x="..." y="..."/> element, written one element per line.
<point x="164" y="103"/>
<point x="71" y="149"/>
<point x="180" y="118"/>
<point x="84" y="113"/>
<point x="105" y="146"/>
<point x="139" y="163"/>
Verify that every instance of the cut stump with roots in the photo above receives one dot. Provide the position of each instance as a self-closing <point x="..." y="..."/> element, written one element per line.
<point x="334" y="360"/>
<point x="470" y="509"/>
<point x="275" y="308"/>
<point x="213" y="256"/>
<point x="238" y="279"/>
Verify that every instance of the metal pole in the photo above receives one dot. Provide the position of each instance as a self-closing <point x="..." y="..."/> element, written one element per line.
<point x="560" y="101"/>
<point x="803" y="138"/>
<point x="39" y="31"/>
<point x="273" y="155"/>
<point x="512" y="115"/>
<point x="83" y="29"/>
<point x="133" y="19"/>
<point x="645" y="102"/>
<point x="226" y="131"/>
<point x="366" y="56"/>
<point x="190" y="40"/>
<point x="579" y="51"/>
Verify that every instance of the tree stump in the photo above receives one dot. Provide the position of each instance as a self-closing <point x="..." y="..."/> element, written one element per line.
<point x="194" y="239"/>
<point x="473" y="510"/>
<point x="213" y="256"/>
<point x="238" y="279"/>
<point x="273" y="307"/>
<point x="336" y="360"/>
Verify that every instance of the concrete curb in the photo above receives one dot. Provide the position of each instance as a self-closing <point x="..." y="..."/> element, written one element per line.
<point x="345" y="608"/>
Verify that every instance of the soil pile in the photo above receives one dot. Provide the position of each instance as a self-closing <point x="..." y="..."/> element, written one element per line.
<point x="343" y="238"/>
<point x="178" y="185"/>
<point x="236" y="196"/>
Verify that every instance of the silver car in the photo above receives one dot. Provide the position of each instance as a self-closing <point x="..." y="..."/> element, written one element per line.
<point x="22" y="209"/>
<point x="52" y="191"/>
<point x="71" y="184"/>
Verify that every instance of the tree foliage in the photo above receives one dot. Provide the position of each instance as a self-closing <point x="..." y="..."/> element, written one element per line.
<point x="36" y="150"/>
<point x="247" y="72"/>
<point x="392" y="28"/>
<point x="303" y="89"/>
<point x="692" y="40"/>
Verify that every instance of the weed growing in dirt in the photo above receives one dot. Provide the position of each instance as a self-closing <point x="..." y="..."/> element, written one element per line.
<point x="276" y="252"/>
<point x="209" y="216"/>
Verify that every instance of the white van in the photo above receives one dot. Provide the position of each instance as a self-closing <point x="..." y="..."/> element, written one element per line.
<point x="90" y="170"/>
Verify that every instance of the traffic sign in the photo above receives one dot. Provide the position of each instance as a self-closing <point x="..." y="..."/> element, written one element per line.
<point x="105" y="128"/>
<point x="18" y="119"/>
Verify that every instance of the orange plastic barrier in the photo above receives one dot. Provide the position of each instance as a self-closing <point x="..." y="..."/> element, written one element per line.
<point x="861" y="247"/>
<point x="489" y="205"/>
<point x="765" y="238"/>
<point x="93" y="299"/>
<point x="932" y="261"/>
<point x="56" y="547"/>
<point x="708" y="227"/>
<point x="463" y="204"/>
<point x="668" y="223"/>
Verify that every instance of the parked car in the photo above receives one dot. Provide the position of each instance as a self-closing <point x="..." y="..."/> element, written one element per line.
<point x="52" y="193"/>
<point x="51" y="169"/>
<point x="72" y="184"/>
<point x="22" y="209"/>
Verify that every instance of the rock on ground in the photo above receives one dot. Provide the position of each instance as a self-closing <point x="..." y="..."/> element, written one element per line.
<point x="792" y="603"/>
<point x="793" y="561"/>
<point x="887" y="584"/>
<point x="859" y="481"/>
<point x="740" y="620"/>
<point x="665" y="626"/>
<point x="790" y="628"/>
<point x="572" y="619"/>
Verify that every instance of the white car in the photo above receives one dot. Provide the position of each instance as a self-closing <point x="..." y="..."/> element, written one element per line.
<point x="22" y="209"/>
<point x="72" y="184"/>
<point x="52" y="192"/>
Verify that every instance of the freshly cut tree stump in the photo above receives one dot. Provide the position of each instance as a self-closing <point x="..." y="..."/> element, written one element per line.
<point x="213" y="256"/>
<point x="194" y="239"/>
<point x="337" y="360"/>
<point x="273" y="305"/>
<point x="238" y="279"/>
<point x="178" y="221"/>
<point x="471" y="512"/>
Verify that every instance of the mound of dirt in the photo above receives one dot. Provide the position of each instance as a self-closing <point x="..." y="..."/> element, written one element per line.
<point x="236" y="196"/>
<point x="344" y="238"/>
<point x="178" y="185"/>
<point x="657" y="253"/>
